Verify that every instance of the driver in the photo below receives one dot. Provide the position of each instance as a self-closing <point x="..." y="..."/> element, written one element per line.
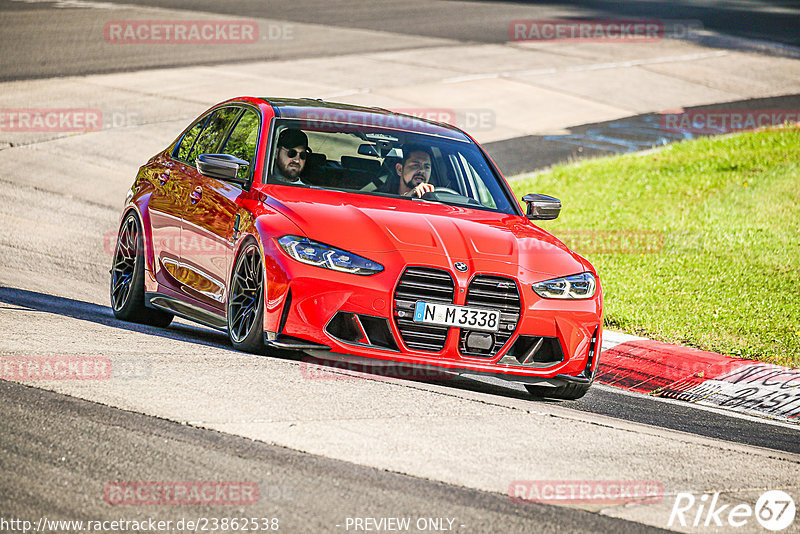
<point x="290" y="160"/>
<point x="414" y="171"/>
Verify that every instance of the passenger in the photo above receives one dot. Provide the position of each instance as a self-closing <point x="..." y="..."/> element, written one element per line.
<point x="290" y="159"/>
<point x="413" y="173"/>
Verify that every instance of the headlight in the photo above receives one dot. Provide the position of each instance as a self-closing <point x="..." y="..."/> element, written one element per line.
<point x="577" y="286"/>
<point x="320" y="255"/>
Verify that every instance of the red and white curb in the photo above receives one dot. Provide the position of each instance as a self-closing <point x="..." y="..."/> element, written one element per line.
<point x="707" y="378"/>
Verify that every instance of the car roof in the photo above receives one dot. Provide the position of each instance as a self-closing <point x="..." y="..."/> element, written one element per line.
<point x="324" y="111"/>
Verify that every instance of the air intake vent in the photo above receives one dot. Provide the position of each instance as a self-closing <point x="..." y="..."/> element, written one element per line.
<point x="498" y="293"/>
<point x="534" y="351"/>
<point x="361" y="330"/>
<point x="429" y="285"/>
<point x="592" y="354"/>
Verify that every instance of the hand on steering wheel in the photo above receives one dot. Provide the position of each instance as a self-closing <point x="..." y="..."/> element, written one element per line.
<point x="421" y="190"/>
<point x="429" y="195"/>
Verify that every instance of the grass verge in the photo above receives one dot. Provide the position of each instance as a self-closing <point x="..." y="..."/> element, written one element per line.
<point x="696" y="244"/>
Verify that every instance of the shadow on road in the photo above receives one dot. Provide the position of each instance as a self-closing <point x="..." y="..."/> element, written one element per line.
<point x="333" y="368"/>
<point x="87" y="311"/>
<point x="604" y="401"/>
<point x="769" y="20"/>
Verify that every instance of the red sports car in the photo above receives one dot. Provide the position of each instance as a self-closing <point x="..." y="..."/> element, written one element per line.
<point x="343" y="230"/>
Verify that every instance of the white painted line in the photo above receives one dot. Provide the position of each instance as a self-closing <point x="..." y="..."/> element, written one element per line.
<point x="612" y="339"/>
<point x="66" y="4"/>
<point x="471" y="77"/>
<point x="640" y="62"/>
<point x="348" y="92"/>
<point x="586" y="68"/>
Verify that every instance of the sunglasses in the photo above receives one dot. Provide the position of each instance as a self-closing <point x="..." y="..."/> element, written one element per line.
<point x="292" y="153"/>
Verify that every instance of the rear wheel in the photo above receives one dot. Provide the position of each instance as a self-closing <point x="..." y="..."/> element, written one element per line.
<point x="565" y="392"/>
<point x="127" y="278"/>
<point x="246" y="301"/>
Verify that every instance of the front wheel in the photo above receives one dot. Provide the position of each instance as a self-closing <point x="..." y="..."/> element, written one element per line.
<point x="565" y="392"/>
<point x="245" y="310"/>
<point x="127" y="278"/>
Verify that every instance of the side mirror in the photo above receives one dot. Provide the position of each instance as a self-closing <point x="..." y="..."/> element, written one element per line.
<point x="222" y="167"/>
<point x="542" y="207"/>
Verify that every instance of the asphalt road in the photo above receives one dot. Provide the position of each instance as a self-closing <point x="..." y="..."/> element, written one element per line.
<point x="61" y="38"/>
<point x="602" y="400"/>
<point x="487" y="22"/>
<point x="59" y="454"/>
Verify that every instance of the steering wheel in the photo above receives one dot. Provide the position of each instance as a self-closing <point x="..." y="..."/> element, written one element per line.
<point x="433" y="195"/>
<point x="446" y="190"/>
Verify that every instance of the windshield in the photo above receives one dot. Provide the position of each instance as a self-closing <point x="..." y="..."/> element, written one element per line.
<point x="370" y="160"/>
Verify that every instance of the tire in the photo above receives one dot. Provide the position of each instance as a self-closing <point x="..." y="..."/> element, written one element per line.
<point x="127" y="278"/>
<point x="245" y="307"/>
<point x="565" y="392"/>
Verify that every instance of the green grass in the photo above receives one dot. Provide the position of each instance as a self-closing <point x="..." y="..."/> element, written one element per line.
<point x="696" y="244"/>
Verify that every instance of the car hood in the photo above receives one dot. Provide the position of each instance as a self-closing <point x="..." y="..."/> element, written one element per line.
<point x="425" y="233"/>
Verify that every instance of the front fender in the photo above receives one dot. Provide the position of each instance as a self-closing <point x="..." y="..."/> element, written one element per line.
<point x="264" y="229"/>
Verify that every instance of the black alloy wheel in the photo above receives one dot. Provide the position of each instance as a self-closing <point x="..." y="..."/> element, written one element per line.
<point x="246" y="301"/>
<point x="127" y="278"/>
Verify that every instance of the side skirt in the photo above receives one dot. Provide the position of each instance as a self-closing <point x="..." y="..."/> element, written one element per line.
<point x="186" y="310"/>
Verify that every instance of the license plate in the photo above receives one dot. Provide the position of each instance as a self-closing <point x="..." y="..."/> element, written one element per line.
<point x="459" y="316"/>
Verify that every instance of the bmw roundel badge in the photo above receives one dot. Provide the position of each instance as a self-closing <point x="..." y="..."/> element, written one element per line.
<point x="461" y="267"/>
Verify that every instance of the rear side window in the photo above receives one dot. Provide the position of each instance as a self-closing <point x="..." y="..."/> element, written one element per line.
<point x="213" y="133"/>
<point x="185" y="147"/>
<point x="242" y="141"/>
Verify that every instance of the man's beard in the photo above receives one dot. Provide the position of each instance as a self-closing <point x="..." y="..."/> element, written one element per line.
<point x="291" y="171"/>
<point x="415" y="181"/>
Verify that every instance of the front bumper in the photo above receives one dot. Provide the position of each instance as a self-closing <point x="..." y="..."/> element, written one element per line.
<point x="304" y="302"/>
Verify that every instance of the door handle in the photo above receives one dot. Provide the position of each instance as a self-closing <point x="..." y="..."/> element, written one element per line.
<point x="196" y="195"/>
<point x="163" y="177"/>
<point x="235" y="234"/>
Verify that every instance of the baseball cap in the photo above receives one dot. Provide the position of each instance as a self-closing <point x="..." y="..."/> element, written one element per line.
<point x="290" y="138"/>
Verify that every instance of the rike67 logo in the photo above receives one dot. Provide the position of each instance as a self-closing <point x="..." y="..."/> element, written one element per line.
<point x="774" y="510"/>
